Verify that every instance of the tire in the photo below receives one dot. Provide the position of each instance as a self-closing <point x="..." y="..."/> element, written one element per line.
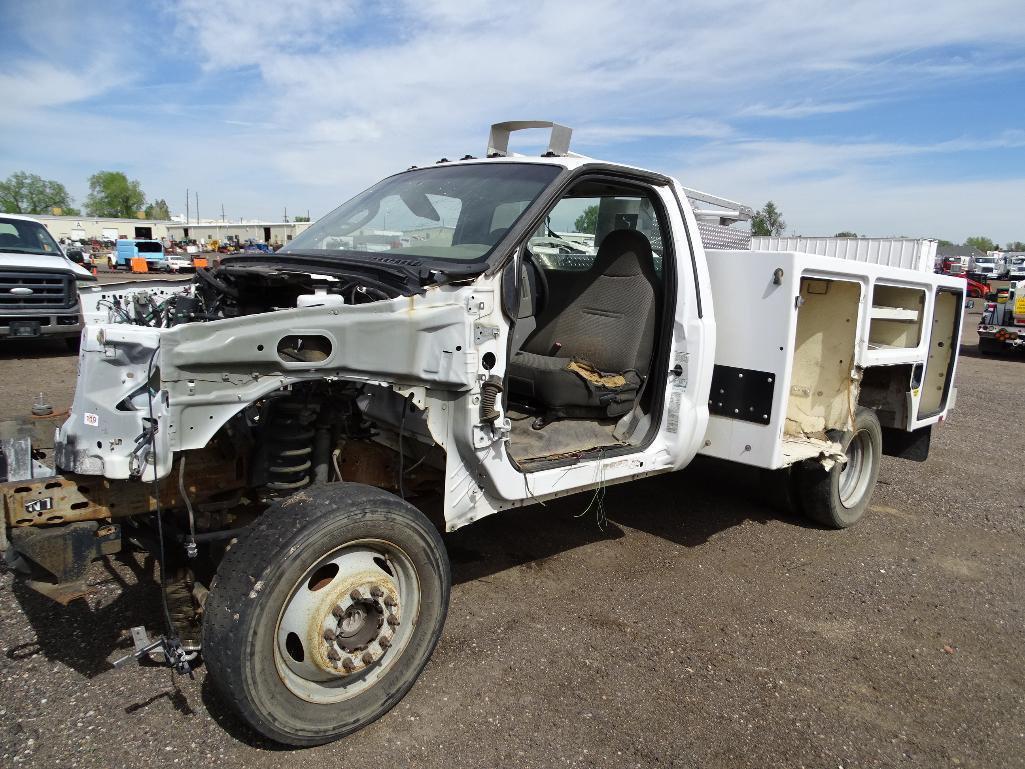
<point x="777" y="490"/>
<point x="989" y="346"/>
<point x="278" y="577"/>
<point x="73" y="342"/>
<point x="832" y="498"/>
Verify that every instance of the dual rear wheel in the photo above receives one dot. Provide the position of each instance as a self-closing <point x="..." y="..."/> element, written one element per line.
<point x="838" y="497"/>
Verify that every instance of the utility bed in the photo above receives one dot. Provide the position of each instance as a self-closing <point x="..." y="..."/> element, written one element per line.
<point x="800" y="337"/>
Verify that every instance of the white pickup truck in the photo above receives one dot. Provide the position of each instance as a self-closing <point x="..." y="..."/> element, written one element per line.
<point x="290" y="431"/>
<point x="38" y="283"/>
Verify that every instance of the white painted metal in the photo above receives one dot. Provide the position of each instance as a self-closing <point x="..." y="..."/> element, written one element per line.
<point x="906" y="253"/>
<point x="759" y="333"/>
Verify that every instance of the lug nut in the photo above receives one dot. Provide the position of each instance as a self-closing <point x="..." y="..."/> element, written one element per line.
<point x="329" y="635"/>
<point x="332" y="654"/>
<point x="338" y="611"/>
<point x="348" y="664"/>
<point x="385" y="642"/>
<point x="355" y="595"/>
<point x="393" y="620"/>
<point x="376" y="591"/>
<point x="389" y="602"/>
<point x="367" y="658"/>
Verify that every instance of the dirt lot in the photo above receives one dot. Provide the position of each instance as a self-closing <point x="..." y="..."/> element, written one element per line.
<point x="698" y="629"/>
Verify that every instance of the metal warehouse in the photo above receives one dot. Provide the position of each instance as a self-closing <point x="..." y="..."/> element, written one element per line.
<point x="265" y="232"/>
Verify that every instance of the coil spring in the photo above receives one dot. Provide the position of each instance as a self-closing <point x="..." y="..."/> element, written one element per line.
<point x="489" y="392"/>
<point x="288" y="440"/>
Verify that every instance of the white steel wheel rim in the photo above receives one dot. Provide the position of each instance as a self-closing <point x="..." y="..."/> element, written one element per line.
<point x="342" y="649"/>
<point x="856" y="471"/>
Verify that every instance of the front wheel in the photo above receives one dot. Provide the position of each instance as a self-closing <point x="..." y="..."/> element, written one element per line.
<point x="321" y="618"/>
<point x="838" y="497"/>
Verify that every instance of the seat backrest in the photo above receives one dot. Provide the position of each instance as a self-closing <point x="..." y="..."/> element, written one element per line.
<point x="610" y="321"/>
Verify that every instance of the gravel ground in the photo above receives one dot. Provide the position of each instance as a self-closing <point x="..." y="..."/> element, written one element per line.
<point x="698" y="629"/>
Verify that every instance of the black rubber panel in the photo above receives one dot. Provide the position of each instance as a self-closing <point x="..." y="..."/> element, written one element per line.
<point x="817" y="491"/>
<point x="740" y="393"/>
<point x="289" y="538"/>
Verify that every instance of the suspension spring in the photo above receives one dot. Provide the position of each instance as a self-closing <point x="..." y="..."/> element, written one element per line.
<point x="288" y="442"/>
<point x="489" y="392"/>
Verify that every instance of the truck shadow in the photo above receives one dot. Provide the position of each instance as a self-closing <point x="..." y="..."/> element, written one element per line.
<point x="79" y="635"/>
<point x="972" y="351"/>
<point x="687" y="508"/>
<point x="34" y="349"/>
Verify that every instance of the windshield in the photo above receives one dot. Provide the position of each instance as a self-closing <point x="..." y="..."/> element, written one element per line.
<point x="456" y="213"/>
<point x="26" y="237"/>
<point x="985" y="260"/>
<point x="148" y="247"/>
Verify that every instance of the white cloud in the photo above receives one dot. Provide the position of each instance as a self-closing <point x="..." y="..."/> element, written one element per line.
<point x="803" y="108"/>
<point x="321" y="98"/>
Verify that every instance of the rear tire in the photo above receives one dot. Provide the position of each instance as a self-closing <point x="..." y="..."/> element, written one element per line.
<point x="331" y="559"/>
<point x="989" y="346"/>
<point x="837" y="498"/>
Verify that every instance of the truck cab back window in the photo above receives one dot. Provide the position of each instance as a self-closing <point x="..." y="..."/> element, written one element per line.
<point x="569" y="238"/>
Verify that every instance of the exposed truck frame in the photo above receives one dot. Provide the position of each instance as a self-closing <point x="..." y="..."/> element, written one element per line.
<point x="289" y="432"/>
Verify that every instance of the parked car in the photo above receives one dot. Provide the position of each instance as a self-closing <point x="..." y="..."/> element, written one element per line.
<point x="179" y="263"/>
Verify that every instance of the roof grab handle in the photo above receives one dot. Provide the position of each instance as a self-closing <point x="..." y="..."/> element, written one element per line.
<point x="498" y="140"/>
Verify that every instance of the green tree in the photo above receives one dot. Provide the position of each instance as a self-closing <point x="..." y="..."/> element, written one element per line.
<point x="300" y="218"/>
<point x="111" y="193"/>
<point x="980" y="242"/>
<point x="587" y="221"/>
<point x="768" y="221"/>
<point x="1015" y="245"/>
<point x="158" y="210"/>
<point x="23" y="193"/>
<point x="942" y="242"/>
<point x="846" y="234"/>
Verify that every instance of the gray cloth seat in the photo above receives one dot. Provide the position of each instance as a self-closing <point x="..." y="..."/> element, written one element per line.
<point x="592" y="350"/>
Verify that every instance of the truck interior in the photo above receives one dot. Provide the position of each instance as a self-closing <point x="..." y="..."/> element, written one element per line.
<point x="823" y="395"/>
<point x="588" y="324"/>
<point x="897" y="315"/>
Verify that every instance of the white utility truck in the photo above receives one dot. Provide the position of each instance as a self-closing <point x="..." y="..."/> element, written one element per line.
<point x="287" y="433"/>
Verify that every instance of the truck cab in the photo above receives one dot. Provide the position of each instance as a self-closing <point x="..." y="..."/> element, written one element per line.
<point x="125" y="250"/>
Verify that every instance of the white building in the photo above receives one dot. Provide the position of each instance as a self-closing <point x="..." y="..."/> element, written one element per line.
<point x="101" y="228"/>
<point x="271" y="233"/>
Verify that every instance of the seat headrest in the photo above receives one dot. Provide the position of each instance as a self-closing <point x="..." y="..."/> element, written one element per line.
<point x="624" y="253"/>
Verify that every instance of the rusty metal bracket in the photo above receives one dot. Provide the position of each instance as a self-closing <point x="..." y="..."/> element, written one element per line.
<point x="69" y="498"/>
<point x="66" y="552"/>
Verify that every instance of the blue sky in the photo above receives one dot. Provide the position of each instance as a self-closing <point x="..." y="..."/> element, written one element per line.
<point x="880" y="117"/>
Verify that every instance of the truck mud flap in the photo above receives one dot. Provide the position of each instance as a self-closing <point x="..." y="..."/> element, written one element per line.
<point x="912" y="445"/>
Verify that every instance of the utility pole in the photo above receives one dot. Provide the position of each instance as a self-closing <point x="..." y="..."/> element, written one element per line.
<point x="222" y="212"/>
<point x="286" y="213"/>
